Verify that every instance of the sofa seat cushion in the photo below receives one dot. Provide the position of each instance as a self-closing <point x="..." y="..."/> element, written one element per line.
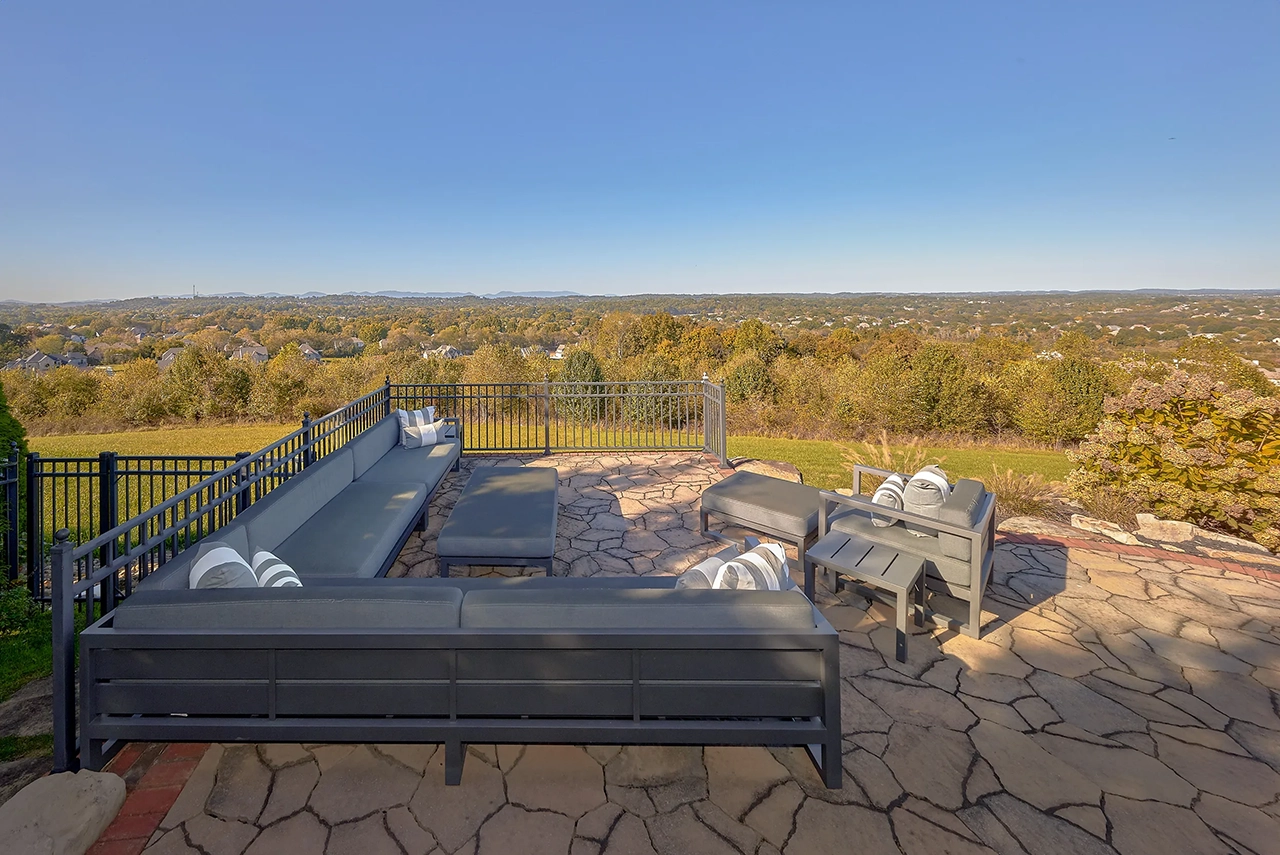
<point x="773" y="503"/>
<point x="276" y="516"/>
<point x="316" y="607"/>
<point x="424" y="465"/>
<point x="858" y="522"/>
<point x="355" y="532"/>
<point x="601" y="608"/>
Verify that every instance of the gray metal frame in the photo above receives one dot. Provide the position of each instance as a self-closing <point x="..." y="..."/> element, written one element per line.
<point x="981" y="538"/>
<point x="455" y="686"/>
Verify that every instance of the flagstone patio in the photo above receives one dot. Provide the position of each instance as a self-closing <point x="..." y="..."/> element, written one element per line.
<point x="1115" y="703"/>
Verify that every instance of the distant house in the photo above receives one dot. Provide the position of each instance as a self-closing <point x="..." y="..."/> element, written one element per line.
<point x="138" y="333"/>
<point x="444" y="351"/>
<point x="309" y="353"/>
<point x="526" y="352"/>
<point x="168" y="357"/>
<point x="75" y="358"/>
<point x="251" y="352"/>
<point x="76" y="337"/>
<point x="35" y="361"/>
<point x="560" y="352"/>
<point x="95" y="354"/>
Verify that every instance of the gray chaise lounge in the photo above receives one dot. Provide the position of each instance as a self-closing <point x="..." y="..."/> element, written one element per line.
<point x="506" y="517"/>
<point x="529" y="660"/>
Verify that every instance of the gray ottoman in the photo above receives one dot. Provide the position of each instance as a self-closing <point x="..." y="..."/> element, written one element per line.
<point x="783" y="510"/>
<point x="506" y="517"/>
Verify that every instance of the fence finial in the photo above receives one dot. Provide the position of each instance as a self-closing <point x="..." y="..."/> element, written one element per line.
<point x="705" y="378"/>
<point x="62" y="535"/>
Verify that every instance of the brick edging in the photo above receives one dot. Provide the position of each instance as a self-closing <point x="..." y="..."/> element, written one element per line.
<point x="149" y="801"/>
<point x="1143" y="551"/>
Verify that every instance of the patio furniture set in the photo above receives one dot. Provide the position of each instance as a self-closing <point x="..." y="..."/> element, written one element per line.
<point x="352" y="657"/>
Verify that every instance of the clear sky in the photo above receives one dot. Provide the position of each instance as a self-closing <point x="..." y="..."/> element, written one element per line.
<point x="605" y="147"/>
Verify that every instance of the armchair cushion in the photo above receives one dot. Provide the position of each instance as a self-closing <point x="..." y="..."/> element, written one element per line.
<point x="961" y="508"/>
<point x="924" y="495"/>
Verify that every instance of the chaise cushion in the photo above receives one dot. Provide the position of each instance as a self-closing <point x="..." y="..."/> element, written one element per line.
<point x="354" y="533"/>
<point x="783" y="506"/>
<point x="274" y="518"/>
<point x="291" y="608"/>
<point x="858" y="522"/>
<point x="634" y="608"/>
<point x="369" y="447"/>
<point x="423" y="465"/>
<point x="961" y="508"/>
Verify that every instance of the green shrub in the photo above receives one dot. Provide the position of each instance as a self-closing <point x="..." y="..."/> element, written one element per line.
<point x="750" y="380"/>
<point x="1062" y="400"/>
<point x="583" y="403"/>
<point x="1190" y="449"/>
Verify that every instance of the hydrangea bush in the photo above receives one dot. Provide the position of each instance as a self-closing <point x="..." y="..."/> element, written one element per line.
<point x="1190" y="449"/>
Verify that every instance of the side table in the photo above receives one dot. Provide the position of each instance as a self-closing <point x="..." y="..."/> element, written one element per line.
<point x="875" y="566"/>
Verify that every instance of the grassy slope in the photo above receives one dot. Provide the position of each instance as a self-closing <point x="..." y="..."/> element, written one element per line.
<point x="221" y="439"/>
<point x="823" y="465"/>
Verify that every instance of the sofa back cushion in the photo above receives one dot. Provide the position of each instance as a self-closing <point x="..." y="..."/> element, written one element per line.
<point x="368" y="448"/>
<point x="315" y="607"/>
<point x="961" y="508"/>
<point x="605" y="609"/>
<point x="271" y="520"/>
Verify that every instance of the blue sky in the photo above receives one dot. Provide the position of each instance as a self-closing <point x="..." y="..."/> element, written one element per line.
<point x="148" y="148"/>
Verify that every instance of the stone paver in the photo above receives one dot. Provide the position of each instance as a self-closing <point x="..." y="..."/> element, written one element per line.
<point x="1116" y="703"/>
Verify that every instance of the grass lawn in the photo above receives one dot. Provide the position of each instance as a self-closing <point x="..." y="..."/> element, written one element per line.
<point x="822" y="464"/>
<point x="23" y="657"/>
<point x="219" y="439"/>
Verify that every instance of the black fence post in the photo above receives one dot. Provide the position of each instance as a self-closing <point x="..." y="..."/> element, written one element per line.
<point x="108" y="518"/>
<point x="11" y="476"/>
<point x="35" y="528"/>
<point x="308" y="453"/>
<point x="723" y="450"/>
<point x="546" y="414"/>
<point x="386" y="406"/>
<point x="242" y="476"/>
<point x="64" y="653"/>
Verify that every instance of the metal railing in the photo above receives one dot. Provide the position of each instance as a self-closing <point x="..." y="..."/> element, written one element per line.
<point x="10" y="476"/>
<point x="206" y="493"/>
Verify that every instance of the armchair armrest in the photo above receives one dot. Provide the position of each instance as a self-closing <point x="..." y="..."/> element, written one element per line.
<point x="860" y="469"/>
<point x="457" y="425"/>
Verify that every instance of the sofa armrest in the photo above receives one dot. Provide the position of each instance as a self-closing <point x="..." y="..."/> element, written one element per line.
<point x="456" y="422"/>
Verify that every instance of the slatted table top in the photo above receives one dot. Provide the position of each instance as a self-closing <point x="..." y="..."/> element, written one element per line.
<point x="880" y="565"/>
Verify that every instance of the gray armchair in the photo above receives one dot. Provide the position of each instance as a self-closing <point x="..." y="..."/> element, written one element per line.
<point x="958" y="555"/>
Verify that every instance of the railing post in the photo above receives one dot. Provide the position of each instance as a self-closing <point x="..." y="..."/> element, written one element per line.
<point x="11" y="535"/>
<point x="546" y="414"/>
<point x="64" y="653"/>
<point x="308" y="453"/>
<point x="724" y="429"/>
<point x="242" y="475"/>
<point x="35" y="528"/>
<point x="386" y="404"/>
<point x="706" y="413"/>
<point x="108" y="518"/>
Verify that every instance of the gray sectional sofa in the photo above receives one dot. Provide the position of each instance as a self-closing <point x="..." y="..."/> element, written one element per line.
<point x="346" y="515"/>
<point x="455" y="661"/>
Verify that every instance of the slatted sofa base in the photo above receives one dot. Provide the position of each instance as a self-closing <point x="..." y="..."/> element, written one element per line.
<point x="457" y="686"/>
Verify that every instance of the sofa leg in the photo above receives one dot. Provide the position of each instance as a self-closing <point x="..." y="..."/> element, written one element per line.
<point x="454" y="754"/>
<point x="422" y="521"/>
<point x="974" y="628"/>
<point x="444" y="569"/>
<point x="826" y="759"/>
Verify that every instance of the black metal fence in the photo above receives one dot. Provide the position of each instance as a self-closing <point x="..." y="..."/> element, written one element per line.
<point x="130" y="515"/>
<point x="10" y="475"/>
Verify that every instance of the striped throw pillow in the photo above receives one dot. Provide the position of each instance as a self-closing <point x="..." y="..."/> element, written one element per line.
<point x="416" y="418"/>
<point x="763" y="568"/>
<point x="890" y="495"/>
<point x="274" y="573"/>
<point x="218" y="565"/>
<point x="924" y="495"/>
<point x="419" y="436"/>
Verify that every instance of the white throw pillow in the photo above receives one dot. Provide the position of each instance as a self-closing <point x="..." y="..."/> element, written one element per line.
<point x="924" y="495"/>
<point x="418" y="436"/>
<point x="274" y="573"/>
<point x="763" y="568"/>
<point x="416" y="418"/>
<point x="218" y="565"/>
<point x="890" y="495"/>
